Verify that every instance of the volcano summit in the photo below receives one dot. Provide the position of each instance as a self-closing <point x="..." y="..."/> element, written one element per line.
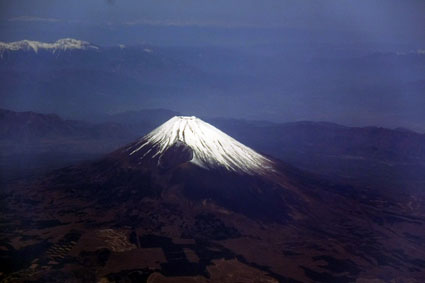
<point x="200" y="143"/>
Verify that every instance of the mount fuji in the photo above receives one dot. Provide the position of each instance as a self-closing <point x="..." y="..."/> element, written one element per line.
<point x="202" y="163"/>
<point x="188" y="203"/>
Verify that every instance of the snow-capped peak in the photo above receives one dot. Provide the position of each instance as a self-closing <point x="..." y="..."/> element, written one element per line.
<point x="61" y="44"/>
<point x="211" y="147"/>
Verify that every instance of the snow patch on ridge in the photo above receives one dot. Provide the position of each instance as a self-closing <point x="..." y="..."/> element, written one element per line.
<point x="61" y="44"/>
<point x="211" y="147"/>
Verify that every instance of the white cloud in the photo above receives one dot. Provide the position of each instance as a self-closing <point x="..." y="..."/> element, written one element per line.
<point x="168" y="23"/>
<point x="412" y="52"/>
<point x="33" y="19"/>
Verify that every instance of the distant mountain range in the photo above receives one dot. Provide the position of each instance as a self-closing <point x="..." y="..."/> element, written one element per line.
<point x="32" y="143"/>
<point x="35" y="127"/>
<point x="388" y="159"/>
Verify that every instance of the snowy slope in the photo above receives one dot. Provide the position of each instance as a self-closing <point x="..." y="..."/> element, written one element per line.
<point x="61" y="44"/>
<point x="211" y="147"/>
